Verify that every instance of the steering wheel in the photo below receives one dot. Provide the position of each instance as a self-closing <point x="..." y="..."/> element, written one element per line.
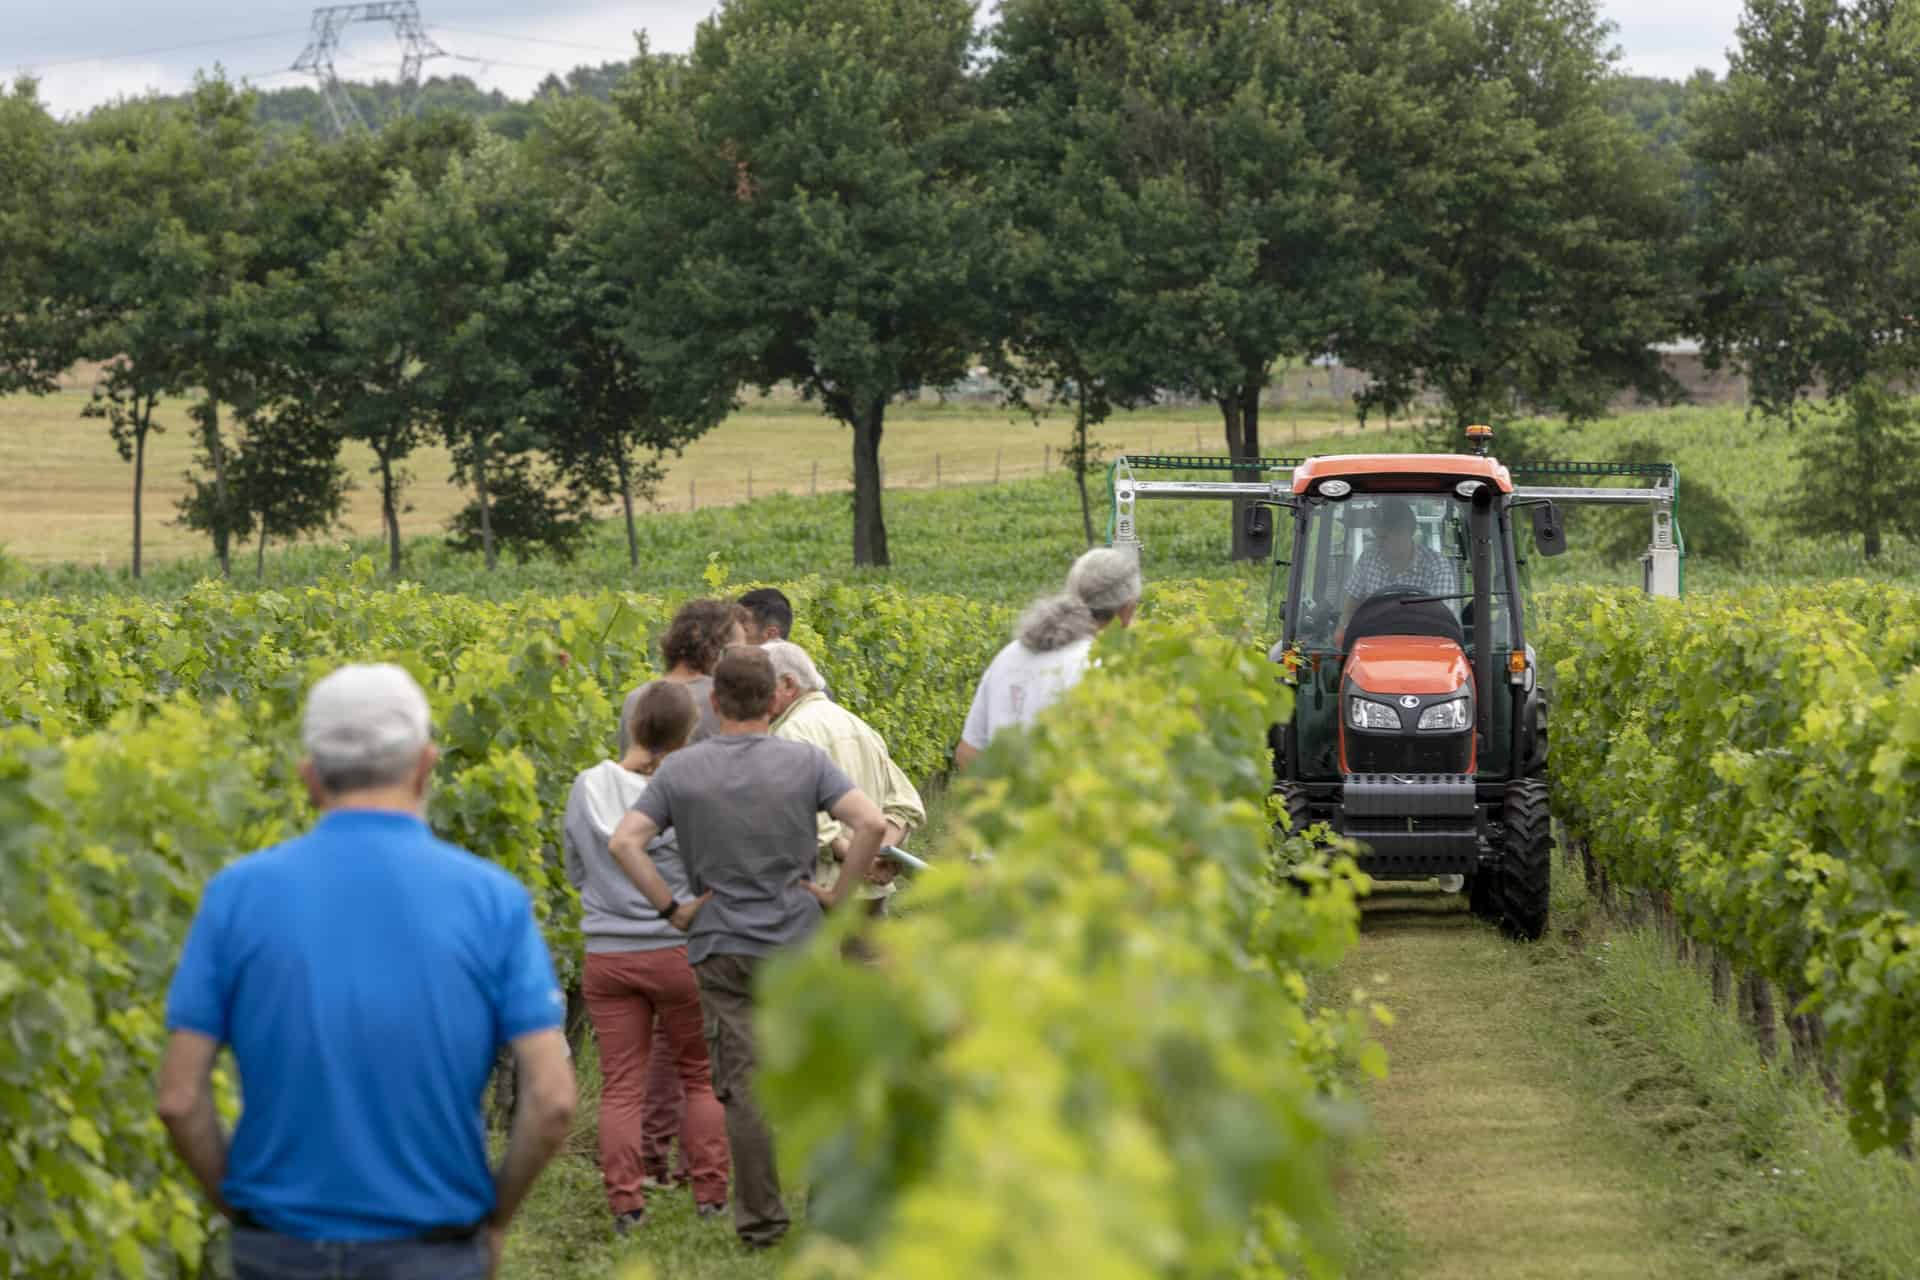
<point x="1388" y="592"/>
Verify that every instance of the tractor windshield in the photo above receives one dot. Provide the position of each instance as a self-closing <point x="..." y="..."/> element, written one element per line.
<point x="1375" y="543"/>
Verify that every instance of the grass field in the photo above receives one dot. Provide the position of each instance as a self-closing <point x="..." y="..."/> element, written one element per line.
<point x="66" y="497"/>
<point x="1008" y="541"/>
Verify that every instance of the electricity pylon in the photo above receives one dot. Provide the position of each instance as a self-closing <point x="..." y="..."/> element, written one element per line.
<point x="416" y="46"/>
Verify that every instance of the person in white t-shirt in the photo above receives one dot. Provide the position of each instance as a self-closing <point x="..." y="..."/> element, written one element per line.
<point x="1049" y="649"/>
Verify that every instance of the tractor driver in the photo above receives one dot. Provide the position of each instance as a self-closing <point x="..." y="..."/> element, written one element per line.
<point x="1394" y="560"/>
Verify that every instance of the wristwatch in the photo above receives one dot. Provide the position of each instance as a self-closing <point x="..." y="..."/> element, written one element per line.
<point x="671" y="909"/>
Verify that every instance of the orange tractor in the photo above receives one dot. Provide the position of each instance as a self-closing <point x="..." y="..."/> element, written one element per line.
<point x="1419" y="727"/>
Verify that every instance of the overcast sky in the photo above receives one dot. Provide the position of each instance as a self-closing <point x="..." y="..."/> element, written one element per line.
<point x="89" y="51"/>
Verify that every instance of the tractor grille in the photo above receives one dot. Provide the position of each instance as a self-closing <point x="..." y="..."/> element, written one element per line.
<point x="1407" y="753"/>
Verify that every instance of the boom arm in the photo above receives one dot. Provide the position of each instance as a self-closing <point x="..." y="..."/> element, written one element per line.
<point x="1662" y="567"/>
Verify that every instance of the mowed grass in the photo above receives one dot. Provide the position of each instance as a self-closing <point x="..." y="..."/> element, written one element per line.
<point x="67" y="497"/>
<point x="1581" y="1107"/>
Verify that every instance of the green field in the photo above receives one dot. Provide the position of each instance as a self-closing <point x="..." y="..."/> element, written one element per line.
<point x="66" y="497"/>
<point x="1008" y="541"/>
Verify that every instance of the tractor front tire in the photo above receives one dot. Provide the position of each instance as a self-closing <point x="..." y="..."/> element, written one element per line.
<point x="1523" y="882"/>
<point x="1293" y="798"/>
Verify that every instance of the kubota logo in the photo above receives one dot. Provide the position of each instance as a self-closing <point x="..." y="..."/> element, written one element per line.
<point x="1409" y="701"/>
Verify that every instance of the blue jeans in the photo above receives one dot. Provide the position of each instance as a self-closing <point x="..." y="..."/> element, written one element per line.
<point x="267" y="1255"/>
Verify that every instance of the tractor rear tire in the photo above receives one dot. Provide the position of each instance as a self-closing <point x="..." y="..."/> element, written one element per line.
<point x="1523" y="882"/>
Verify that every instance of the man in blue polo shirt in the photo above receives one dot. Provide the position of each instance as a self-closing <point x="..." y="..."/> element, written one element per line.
<point x="365" y="975"/>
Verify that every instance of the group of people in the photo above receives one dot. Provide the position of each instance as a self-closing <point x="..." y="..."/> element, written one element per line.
<point x="366" y="974"/>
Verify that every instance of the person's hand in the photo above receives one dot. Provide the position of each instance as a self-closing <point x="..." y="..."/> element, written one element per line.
<point x="883" y="871"/>
<point x="682" y="918"/>
<point x="496" y="1247"/>
<point x="823" y="896"/>
<point x="839" y="846"/>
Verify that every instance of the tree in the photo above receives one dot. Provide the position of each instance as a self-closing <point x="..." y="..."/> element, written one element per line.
<point x="145" y="217"/>
<point x="629" y="378"/>
<point x="1857" y="476"/>
<point x="283" y="480"/>
<point x="36" y="339"/>
<point x="1202" y="134"/>
<point x="1807" y="244"/>
<point x="471" y="251"/>
<point x="845" y="245"/>
<point x="359" y="358"/>
<point x="1526" y="241"/>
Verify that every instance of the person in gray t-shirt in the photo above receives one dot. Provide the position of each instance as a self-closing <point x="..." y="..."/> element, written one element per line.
<point x="744" y="807"/>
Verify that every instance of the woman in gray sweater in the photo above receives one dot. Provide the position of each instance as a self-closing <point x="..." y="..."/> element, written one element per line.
<point x="637" y="966"/>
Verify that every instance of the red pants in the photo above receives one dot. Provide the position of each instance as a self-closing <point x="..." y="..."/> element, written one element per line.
<point x="625" y="990"/>
<point x="665" y="1119"/>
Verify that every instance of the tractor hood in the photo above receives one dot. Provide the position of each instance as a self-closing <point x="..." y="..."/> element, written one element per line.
<point x="1408" y="664"/>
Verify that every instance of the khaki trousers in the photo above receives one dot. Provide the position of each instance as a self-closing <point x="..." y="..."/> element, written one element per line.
<point x="726" y="1001"/>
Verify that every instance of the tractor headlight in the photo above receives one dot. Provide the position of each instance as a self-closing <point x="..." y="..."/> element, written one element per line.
<point x="1363" y="713"/>
<point x="1445" y="715"/>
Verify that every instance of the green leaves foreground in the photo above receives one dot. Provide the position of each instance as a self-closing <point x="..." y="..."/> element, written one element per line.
<point x="1090" y="1039"/>
<point x="1756" y="757"/>
<point x="1096" y="1046"/>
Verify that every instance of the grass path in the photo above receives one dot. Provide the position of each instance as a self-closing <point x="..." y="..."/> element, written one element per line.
<point x="1494" y="1154"/>
<point x="1581" y="1108"/>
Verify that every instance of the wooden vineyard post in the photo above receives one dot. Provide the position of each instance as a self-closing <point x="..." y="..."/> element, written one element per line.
<point x="996" y="466"/>
<point x="1756" y="1006"/>
<point x="1046" y="458"/>
<point x="936" y="471"/>
<point x="749" y="482"/>
<point x="813" y="485"/>
<point x="693" y="496"/>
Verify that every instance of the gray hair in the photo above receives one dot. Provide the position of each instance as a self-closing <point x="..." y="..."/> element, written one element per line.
<point x="1054" y="622"/>
<point x="1106" y="580"/>
<point x="365" y="726"/>
<point x="791" y="662"/>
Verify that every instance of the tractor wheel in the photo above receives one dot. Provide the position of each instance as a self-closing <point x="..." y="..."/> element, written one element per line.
<point x="1523" y="882"/>
<point x="1294" y="797"/>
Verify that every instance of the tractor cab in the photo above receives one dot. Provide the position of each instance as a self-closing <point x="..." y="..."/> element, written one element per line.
<point x="1419" y="726"/>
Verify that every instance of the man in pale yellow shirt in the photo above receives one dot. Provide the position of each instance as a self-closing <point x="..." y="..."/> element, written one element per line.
<point x="803" y="713"/>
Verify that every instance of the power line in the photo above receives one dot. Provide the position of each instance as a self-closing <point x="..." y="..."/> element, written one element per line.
<point x="501" y="62"/>
<point x="502" y="35"/>
<point x="171" y="48"/>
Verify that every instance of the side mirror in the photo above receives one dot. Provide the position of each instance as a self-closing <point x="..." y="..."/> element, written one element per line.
<point x="1259" y="530"/>
<point x="1549" y="535"/>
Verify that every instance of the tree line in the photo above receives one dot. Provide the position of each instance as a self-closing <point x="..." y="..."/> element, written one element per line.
<point x="1100" y="199"/>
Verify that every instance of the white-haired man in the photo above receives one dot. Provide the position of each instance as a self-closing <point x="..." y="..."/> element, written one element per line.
<point x="802" y="712"/>
<point x="1048" y="653"/>
<point x="365" y="975"/>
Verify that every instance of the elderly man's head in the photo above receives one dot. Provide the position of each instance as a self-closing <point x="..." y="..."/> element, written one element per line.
<point x="369" y="739"/>
<point x="1107" y="581"/>
<point x="794" y="674"/>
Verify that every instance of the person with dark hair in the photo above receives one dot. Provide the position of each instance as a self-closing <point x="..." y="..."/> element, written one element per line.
<point x="1048" y="653"/>
<point x="365" y="975"/>
<point x="772" y="615"/>
<point x="699" y="633"/>
<point x="640" y="990"/>
<point x="1395" y="558"/>
<point x="744" y="806"/>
